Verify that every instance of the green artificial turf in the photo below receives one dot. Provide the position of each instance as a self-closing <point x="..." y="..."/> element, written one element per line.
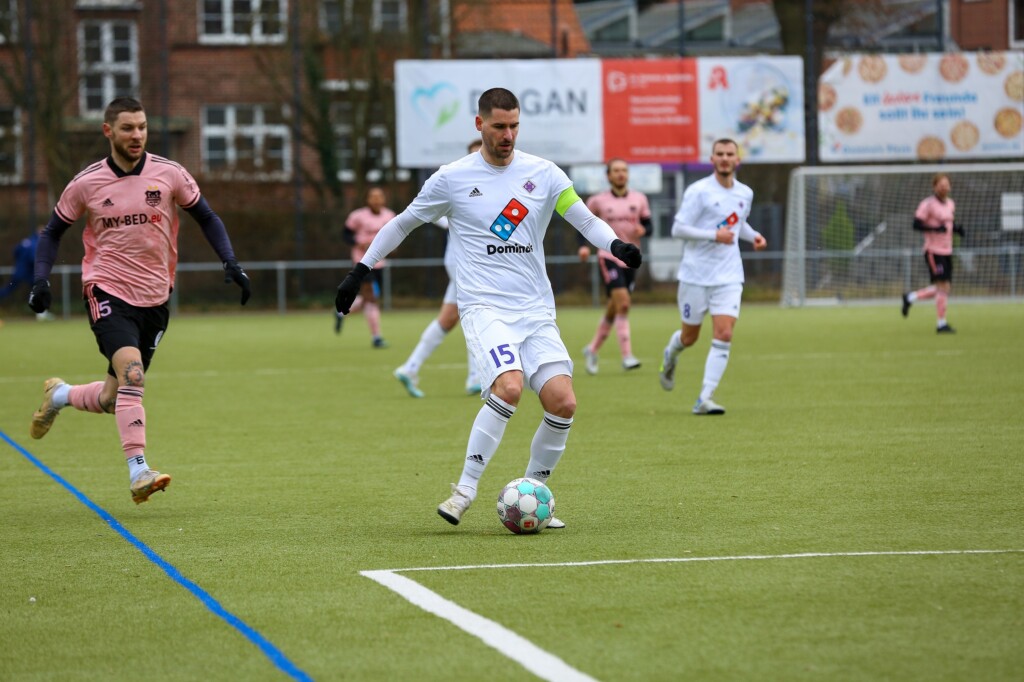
<point x="298" y="461"/>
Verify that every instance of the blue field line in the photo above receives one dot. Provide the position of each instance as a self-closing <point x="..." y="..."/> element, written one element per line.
<point x="262" y="643"/>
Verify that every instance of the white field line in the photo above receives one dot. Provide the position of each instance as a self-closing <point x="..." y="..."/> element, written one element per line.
<point x="543" y="664"/>
<point x="539" y="662"/>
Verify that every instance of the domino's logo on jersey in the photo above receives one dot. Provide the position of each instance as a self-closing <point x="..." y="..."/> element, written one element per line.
<point x="507" y="222"/>
<point x="728" y="222"/>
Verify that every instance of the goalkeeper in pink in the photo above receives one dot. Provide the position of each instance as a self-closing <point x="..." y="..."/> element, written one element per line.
<point x="934" y="217"/>
<point x="130" y="203"/>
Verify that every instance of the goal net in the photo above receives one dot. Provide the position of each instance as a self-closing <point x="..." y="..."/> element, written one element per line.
<point x="849" y="231"/>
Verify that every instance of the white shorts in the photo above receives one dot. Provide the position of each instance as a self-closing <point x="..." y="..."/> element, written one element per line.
<point x="502" y="341"/>
<point x="695" y="301"/>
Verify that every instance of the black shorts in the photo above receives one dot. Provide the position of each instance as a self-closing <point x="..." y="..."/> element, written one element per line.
<point x="940" y="268"/>
<point x="117" y="324"/>
<point x="616" y="277"/>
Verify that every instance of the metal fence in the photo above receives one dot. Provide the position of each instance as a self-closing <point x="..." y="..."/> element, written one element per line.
<point x="763" y="272"/>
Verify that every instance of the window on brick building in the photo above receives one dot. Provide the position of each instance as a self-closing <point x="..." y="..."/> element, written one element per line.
<point x="387" y="16"/>
<point x="108" y="57"/>
<point x="242" y="21"/>
<point x="8" y="21"/>
<point x="251" y="140"/>
<point x="1017" y="23"/>
<point x="10" y="144"/>
<point x="370" y="152"/>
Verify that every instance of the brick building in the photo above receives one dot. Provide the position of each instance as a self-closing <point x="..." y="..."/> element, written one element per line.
<point x="283" y="111"/>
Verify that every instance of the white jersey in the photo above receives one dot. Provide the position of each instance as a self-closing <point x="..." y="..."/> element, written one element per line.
<point x="497" y="220"/>
<point x="709" y="206"/>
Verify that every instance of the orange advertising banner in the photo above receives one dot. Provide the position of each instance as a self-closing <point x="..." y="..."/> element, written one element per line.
<point x="651" y="110"/>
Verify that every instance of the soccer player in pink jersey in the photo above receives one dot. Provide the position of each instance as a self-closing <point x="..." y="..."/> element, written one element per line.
<point x="130" y="203"/>
<point x="934" y="217"/>
<point x="361" y="226"/>
<point x="629" y="215"/>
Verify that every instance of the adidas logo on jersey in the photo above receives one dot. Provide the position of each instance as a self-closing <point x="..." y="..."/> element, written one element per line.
<point x="476" y="193"/>
<point x="106" y="203"/>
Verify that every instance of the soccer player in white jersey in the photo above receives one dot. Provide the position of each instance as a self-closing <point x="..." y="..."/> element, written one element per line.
<point x="437" y="330"/>
<point x="499" y="204"/>
<point x="130" y="202"/>
<point x="712" y="216"/>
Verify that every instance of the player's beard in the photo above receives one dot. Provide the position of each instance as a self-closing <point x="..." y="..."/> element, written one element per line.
<point x="127" y="154"/>
<point x="725" y="171"/>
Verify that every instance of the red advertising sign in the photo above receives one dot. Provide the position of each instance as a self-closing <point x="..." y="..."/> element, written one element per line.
<point x="651" y="110"/>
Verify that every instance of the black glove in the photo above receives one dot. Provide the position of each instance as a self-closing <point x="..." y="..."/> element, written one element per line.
<point x="233" y="272"/>
<point x="349" y="288"/>
<point x="39" y="299"/>
<point x="627" y="253"/>
<point x="959" y="229"/>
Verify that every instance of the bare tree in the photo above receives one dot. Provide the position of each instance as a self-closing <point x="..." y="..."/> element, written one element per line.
<point x="43" y="93"/>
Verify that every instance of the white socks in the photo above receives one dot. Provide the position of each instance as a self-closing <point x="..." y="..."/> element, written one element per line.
<point x="714" y="367"/>
<point x="488" y="428"/>
<point x="430" y="339"/>
<point x="136" y="465"/>
<point x="60" y="396"/>
<point x="547" y="446"/>
<point x="675" y="344"/>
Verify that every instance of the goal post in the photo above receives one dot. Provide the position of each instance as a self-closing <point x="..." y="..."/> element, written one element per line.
<point x="849" y="231"/>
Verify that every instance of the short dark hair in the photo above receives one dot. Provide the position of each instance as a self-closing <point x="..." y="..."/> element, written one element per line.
<point x="474" y="145"/>
<point x="724" y="140"/>
<point x="496" y="98"/>
<point x="120" y="105"/>
<point x="614" y="159"/>
<point x="937" y="177"/>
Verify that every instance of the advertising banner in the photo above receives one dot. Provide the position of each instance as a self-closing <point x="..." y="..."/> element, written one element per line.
<point x="578" y="111"/>
<point x="927" y="107"/>
<point x="650" y="109"/>
<point x="757" y="101"/>
<point x="560" y="107"/>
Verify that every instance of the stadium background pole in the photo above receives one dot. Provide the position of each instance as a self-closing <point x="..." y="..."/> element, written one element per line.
<point x="681" y="19"/>
<point x="300" y="232"/>
<point x="30" y="105"/>
<point x="554" y="28"/>
<point x="811" y="86"/>
<point x="940" y="25"/>
<point x="165" y="87"/>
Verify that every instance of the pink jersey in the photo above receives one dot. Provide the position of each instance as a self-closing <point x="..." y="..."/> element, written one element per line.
<point x="935" y="213"/>
<point x="366" y="224"/>
<point x="131" y="229"/>
<point x="623" y="214"/>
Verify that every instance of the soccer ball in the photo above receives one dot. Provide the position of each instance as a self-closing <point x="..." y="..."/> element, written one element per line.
<point x="526" y="505"/>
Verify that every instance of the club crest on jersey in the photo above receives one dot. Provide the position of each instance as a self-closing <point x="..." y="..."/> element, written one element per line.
<point x="507" y="222"/>
<point x="729" y="222"/>
<point x="529" y="186"/>
<point x="153" y="195"/>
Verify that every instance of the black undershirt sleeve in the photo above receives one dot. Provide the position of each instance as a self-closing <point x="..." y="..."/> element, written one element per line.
<point x="213" y="229"/>
<point x="46" y="250"/>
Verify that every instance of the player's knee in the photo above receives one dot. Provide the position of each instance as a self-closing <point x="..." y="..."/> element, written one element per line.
<point x="563" y="406"/>
<point x="509" y="387"/>
<point x="724" y="335"/>
<point x="134" y="374"/>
